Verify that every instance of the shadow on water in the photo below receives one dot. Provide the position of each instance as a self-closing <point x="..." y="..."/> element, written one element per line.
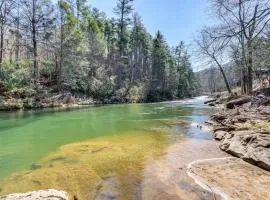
<point x="16" y="119"/>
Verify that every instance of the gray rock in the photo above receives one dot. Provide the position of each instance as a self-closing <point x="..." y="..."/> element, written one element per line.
<point x="219" y="135"/>
<point x="38" y="195"/>
<point x="253" y="147"/>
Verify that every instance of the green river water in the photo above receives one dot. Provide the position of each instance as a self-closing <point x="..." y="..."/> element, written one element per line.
<point x="26" y="137"/>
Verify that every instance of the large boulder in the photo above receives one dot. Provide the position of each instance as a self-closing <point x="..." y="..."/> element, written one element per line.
<point x="253" y="147"/>
<point x="38" y="195"/>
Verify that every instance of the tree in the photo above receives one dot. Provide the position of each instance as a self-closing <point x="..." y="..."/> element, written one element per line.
<point x="67" y="46"/>
<point x="37" y="16"/>
<point x="6" y="7"/>
<point x="243" y="20"/>
<point x="123" y="10"/>
<point x="140" y="43"/>
<point x="159" y="62"/>
<point x="213" y="49"/>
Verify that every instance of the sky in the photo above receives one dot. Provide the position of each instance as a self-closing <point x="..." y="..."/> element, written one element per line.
<point x="176" y="19"/>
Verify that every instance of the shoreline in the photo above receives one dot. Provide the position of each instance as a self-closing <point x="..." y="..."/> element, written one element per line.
<point x="203" y="173"/>
<point x="230" y="178"/>
<point x="66" y="101"/>
<point x="241" y="130"/>
<point x="242" y="126"/>
<point x="202" y="182"/>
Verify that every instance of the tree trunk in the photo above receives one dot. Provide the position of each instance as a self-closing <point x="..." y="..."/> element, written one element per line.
<point x="34" y="40"/>
<point x="17" y="48"/>
<point x="1" y="49"/>
<point x="250" y="68"/>
<point x="243" y="80"/>
<point x="224" y="76"/>
<point x="59" y="66"/>
<point x="122" y="30"/>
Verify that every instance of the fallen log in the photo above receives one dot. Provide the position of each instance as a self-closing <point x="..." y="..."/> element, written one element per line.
<point x="210" y="101"/>
<point x="238" y="102"/>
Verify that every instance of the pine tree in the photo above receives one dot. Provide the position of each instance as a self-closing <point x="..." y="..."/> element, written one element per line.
<point x="123" y="10"/>
<point x="159" y="62"/>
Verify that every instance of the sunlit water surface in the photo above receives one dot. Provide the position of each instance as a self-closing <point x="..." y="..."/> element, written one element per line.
<point x="33" y="137"/>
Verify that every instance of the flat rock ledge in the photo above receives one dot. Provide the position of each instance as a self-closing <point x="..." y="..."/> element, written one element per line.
<point x="251" y="146"/>
<point x="231" y="179"/>
<point x="50" y="194"/>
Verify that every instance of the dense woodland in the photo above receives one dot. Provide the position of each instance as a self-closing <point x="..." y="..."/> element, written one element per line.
<point x="49" y="47"/>
<point x="237" y="46"/>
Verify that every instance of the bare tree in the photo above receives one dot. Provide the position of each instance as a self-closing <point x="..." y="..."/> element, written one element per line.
<point x="36" y="15"/>
<point x="243" y="20"/>
<point x="213" y="48"/>
<point x="6" y="7"/>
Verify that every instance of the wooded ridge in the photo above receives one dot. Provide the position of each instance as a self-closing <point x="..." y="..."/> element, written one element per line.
<point x="49" y="48"/>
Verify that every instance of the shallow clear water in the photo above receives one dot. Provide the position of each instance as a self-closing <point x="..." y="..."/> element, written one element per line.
<point x="26" y="137"/>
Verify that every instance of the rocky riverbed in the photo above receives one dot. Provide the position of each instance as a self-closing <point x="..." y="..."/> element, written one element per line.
<point x="8" y="103"/>
<point x="242" y="125"/>
<point x="65" y="100"/>
<point x="186" y="169"/>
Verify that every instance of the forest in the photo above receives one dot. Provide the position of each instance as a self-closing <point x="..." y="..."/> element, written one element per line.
<point x="50" y="47"/>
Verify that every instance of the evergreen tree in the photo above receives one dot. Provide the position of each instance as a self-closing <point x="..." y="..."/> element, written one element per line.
<point x="123" y="10"/>
<point x="75" y="48"/>
<point x="159" y="62"/>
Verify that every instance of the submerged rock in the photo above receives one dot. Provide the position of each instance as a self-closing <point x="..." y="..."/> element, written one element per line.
<point x="36" y="166"/>
<point x="38" y="195"/>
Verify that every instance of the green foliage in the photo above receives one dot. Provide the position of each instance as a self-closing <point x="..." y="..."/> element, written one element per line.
<point x="137" y="93"/>
<point x="16" y="75"/>
<point x="101" y="89"/>
<point x="86" y="53"/>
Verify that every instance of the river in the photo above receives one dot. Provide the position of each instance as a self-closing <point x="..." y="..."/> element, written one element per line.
<point x="106" y="152"/>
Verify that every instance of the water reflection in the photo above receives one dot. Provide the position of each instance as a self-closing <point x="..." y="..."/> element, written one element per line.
<point x="25" y="137"/>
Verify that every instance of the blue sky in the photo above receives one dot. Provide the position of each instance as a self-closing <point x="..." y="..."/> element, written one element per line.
<point x="176" y="19"/>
